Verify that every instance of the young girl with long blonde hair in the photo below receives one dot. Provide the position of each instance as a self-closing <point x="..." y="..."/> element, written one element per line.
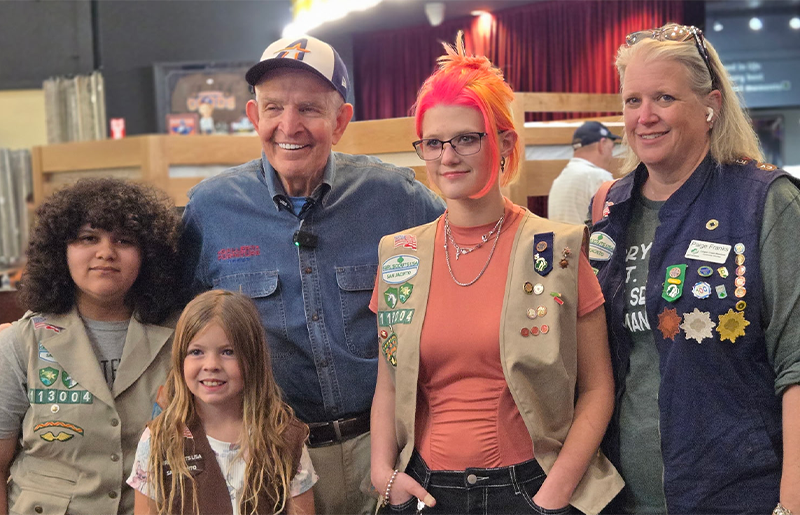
<point x="226" y="442"/>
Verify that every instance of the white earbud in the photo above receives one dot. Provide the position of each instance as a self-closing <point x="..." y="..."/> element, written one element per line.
<point x="710" y="114"/>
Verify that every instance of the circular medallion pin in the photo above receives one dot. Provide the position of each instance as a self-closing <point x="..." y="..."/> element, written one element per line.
<point x="541" y="311"/>
<point x="705" y="271"/>
<point x="701" y="290"/>
<point x="740" y="281"/>
<point x="538" y="288"/>
<point x="384" y="333"/>
<point x="738" y="248"/>
<point x="741" y="305"/>
<point x="740" y="270"/>
<point x="740" y="292"/>
<point x="541" y="246"/>
<point x="525" y="332"/>
<point x="674" y="272"/>
<point x="545" y="329"/>
<point x="712" y="224"/>
<point x="528" y="287"/>
<point x="54" y="408"/>
<point x="739" y="259"/>
<point x="531" y="313"/>
<point x="535" y="331"/>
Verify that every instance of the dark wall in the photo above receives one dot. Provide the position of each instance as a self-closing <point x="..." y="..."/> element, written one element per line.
<point x="134" y="35"/>
<point x="40" y="39"/>
<point x="43" y="39"/>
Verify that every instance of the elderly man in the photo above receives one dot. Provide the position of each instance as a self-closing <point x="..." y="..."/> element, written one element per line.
<point x="577" y="183"/>
<point x="298" y="231"/>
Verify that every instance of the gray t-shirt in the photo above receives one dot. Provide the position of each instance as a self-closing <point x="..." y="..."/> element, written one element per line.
<point x="107" y="339"/>
<point x="640" y="443"/>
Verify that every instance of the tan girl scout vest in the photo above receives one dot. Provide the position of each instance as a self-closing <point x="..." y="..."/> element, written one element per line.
<point x="540" y="370"/>
<point x="78" y="438"/>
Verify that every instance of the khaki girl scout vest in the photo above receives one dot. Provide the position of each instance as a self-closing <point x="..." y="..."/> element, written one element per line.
<point x="540" y="370"/>
<point x="212" y="492"/>
<point x="78" y="438"/>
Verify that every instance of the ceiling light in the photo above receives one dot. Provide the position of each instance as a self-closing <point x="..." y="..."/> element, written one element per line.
<point x="718" y="26"/>
<point x="756" y="24"/>
<point x="795" y="23"/>
<point x="435" y="13"/>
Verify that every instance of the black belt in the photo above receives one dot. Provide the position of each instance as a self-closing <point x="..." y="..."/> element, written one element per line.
<point x="328" y="433"/>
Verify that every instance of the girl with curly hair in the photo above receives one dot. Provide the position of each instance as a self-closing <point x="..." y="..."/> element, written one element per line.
<point x="496" y="386"/>
<point x="226" y="443"/>
<point x="81" y="369"/>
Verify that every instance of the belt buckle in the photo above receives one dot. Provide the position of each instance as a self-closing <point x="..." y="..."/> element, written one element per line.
<point x="337" y="430"/>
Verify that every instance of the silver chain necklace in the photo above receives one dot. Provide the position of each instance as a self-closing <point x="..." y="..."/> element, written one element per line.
<point x="459" y="251"/>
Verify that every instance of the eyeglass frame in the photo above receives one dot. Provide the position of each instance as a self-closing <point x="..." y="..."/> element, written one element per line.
<point x="481" y="135"/>
<point x="659" y="34"/>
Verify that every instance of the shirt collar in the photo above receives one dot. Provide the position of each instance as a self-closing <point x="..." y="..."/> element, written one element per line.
<point x="276" y="190"/>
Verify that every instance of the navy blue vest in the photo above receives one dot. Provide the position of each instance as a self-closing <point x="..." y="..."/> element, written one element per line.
<point x="720" y="420"/>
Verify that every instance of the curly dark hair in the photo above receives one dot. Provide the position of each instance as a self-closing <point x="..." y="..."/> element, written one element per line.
<point x="145" y="213"/>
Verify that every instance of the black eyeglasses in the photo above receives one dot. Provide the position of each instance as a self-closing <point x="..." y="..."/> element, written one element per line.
<point x="679" y="33"/>
<point x="431" y="149"/>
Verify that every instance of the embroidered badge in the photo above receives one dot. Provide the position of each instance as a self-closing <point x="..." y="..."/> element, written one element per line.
<point x="668" y="322"/>
<point x="67" y="380"/>
<point x="48" y="376"/>
<point x="601" y="246"/>
<point x="407" y="241"/>
<point x="60" y="436"/>
<point x="731" y="325"/>
<point x="405" y="292"/>
<point x="41" y="323"/>
<point x="399" y="269"/>
<point x="543" y="259"/>
<point x="45" y="355"/>
<point x="697" y="325"/>
<point x="234" y="255"/>
<point x="389" y="349"/>
<point x="390" y="296"/>
<point x="398" y="316"/>
<point x="49" y="396"/>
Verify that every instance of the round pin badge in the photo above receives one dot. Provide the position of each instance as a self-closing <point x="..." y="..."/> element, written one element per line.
<point x="541" y="311"/>
<point x="545" y="329"/>
<point x="705" y="271"/>
<point x="740" y="281"/>
<point x="384" y="333"/>
<point x="54" y="408"/>
<point x="712" y="224"/>
<point x="738" y="248"/>
<point x="541" y="246"/>
<point x="739" y="259"/>
<point x="740" y="270"/>
<point x="723" y="272"/>
<point x="525" y="332"/>
<point x="538" y="288"/>
<point x="740" y="292"/>
<point x="701" y="290"/>
<point x="528" y="287"/>
<point x="674" y="272"/>
<point x="741" y="305"/>
<point x="531" y="313"/>
<point x="535" y="331"/>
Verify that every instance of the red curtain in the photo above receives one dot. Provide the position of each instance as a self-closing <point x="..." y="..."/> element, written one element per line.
<point x="558" y="46"/>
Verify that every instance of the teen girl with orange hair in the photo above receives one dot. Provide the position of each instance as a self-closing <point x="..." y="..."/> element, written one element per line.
<point x="495" y="388"/>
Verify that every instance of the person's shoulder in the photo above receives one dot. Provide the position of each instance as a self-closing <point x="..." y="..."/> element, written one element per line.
<point x="373" y="168"/>
<point x="211" y="186"/>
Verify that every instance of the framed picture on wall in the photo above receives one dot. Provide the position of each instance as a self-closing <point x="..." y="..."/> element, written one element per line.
<point x="214" y="92"/>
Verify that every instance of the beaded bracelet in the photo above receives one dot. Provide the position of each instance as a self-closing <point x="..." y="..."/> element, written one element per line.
<point x="389" y="487"/>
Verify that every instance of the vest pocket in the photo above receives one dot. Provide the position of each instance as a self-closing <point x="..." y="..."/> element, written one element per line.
<point x="39" y="502"/>
<point x="355" y="291"/>
<point x="40" y="486"/>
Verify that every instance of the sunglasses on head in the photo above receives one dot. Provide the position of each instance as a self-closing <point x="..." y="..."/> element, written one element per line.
<point x="679" y="33"/>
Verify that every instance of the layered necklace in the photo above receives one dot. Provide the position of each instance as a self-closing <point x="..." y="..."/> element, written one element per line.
<point x="460" y="251"/>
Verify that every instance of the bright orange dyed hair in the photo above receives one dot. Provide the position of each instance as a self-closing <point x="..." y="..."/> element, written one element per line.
<point x="472" y="81"/>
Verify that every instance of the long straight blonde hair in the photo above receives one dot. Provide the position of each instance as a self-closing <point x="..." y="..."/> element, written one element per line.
<point x="265" y="417"/>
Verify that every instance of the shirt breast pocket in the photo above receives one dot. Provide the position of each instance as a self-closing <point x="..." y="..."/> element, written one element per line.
<point x="264" y="288"/>
<point x="355" y="291"/>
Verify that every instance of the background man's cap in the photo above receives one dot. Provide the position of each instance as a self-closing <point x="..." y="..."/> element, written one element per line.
<point x="305" y="53"/>
<point x="591" y="132"/>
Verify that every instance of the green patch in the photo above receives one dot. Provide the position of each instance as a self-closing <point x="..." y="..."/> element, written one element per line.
<point x="67" y="380"/>
<point x="48" y="375"/>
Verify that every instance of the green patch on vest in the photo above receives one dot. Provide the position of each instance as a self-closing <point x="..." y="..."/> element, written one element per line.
<point x="48" y="375"/>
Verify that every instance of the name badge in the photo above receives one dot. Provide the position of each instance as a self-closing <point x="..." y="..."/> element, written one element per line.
<point x="708" y="251"/>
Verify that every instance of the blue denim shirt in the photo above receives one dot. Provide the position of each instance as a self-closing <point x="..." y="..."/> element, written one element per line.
<point x="314" y="302"/>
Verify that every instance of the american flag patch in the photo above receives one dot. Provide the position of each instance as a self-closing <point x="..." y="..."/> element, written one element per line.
<point x="41" y="323"/>
<point x="406" y="240"/>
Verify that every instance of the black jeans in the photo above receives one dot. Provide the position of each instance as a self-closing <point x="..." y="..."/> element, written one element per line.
<point x="476" y="491"/>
